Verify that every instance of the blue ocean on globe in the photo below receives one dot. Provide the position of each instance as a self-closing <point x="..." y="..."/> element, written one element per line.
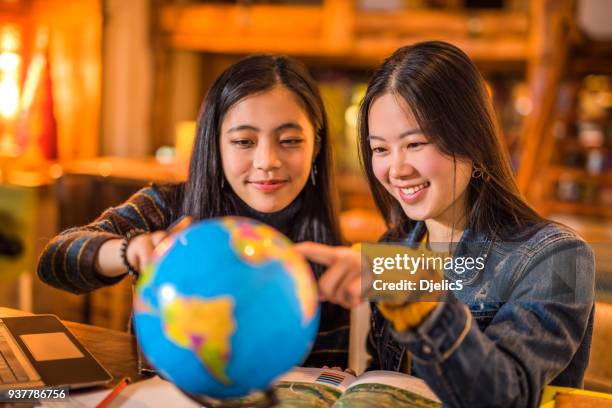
<point x="226" y="307"/>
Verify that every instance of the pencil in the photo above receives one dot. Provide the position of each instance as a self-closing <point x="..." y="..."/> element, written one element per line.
<point x="116" y="390"/>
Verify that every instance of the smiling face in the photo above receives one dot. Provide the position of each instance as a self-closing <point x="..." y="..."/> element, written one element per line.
<point x="413" y="170"/>
<point x="267" y="148"/>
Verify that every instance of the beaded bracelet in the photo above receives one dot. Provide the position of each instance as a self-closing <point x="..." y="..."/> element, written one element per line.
<point x="126" y="241"/>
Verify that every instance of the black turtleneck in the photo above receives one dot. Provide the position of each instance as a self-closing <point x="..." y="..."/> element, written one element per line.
<point x="282" y="220"/>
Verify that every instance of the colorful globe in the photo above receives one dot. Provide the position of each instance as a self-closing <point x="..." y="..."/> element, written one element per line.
<point x="226" y="307"/>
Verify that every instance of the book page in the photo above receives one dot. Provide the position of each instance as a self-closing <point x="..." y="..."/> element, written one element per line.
<point x="311" y="387"/>
<point x="146" y="393"/>
<point x="387" y="389"/>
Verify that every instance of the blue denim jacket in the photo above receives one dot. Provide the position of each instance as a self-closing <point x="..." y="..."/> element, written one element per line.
<point x="523" y="321"/>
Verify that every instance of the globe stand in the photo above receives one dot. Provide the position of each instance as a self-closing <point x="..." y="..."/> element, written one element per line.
<point x="269" y="399"/>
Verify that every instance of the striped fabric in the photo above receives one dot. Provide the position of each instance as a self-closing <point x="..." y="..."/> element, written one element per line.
<point x="68" y="263"/>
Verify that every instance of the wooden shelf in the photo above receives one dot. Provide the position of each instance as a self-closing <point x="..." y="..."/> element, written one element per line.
<point x="481" y="50"/>
<point x="577" y="208"/>
<point x="244" y="29"/>
<point x="335" y="30"/>
<point x="140" y="170"/>
<point x="575" y="145"/>
<point x="556" y="172"/>
<point x="484" y="23"/>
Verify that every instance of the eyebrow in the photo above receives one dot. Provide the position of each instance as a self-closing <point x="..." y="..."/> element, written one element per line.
<point x="289" y="125"/>
<point x="284" y="126"/>
<point x="242" y="127"/>
<point x="401" y="136"/>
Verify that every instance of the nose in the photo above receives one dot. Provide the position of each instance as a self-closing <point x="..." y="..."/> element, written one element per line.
<point x="400" y="167"/>
<point x="266" y="157"/>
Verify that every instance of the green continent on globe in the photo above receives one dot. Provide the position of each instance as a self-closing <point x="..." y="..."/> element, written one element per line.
<point x="183" y="318"/>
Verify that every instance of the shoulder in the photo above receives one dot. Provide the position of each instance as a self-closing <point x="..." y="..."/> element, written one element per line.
<point x="550" y="247"/>
<point x="162" y="194"/>
<point x="553" y="263"/>
<point x="550" y="236"/>
<point x="159" y="200"/>
<point x="169" y="195"/>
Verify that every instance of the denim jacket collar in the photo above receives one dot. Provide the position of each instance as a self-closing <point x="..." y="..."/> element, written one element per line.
<point x="472" y="244"/>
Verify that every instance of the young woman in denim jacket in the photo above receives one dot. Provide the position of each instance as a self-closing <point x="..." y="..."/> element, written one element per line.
<point x="438" y="173"/>
<point x="262" y="151"/>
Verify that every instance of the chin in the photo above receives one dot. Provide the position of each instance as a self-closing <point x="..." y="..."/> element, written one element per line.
<point x="268" y="207"/>
<point x="416" y="217"/>
<point x="416" y="214"/>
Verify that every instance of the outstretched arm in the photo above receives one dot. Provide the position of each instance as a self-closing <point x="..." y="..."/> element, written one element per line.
<point x="85" y="258"/>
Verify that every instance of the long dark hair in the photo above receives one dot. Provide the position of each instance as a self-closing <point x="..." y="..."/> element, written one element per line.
<point x="449" y="100"/>
<point x="204" y="195"/>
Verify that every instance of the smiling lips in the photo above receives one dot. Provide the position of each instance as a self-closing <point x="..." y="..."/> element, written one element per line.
<point x="413" y="193"/>
<point x="268" y="186"/>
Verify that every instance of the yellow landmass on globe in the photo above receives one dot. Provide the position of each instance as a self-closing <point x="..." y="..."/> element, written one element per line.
<point x="183" y="318"/>
<point x="259" y="243"/>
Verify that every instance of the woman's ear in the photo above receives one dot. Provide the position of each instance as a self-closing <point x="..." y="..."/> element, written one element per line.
<point x="315" y="154"/>
<point x="317" y="145"/>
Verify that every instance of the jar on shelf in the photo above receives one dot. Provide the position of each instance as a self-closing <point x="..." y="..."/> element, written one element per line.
<point x="595" y="161"/>
<point x="590" y="134"/>
<point x="568" y="189"/>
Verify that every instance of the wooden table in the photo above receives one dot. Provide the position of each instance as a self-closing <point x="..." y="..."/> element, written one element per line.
<point x="115" y="350"/>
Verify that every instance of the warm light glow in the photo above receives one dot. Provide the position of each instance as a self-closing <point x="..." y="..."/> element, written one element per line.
<point x="351" y="115"/>
<point x="56" y="171"/>
<point x="523" y="105"/>
<point x="522" y="102"/>
<point x="10" y="67"/>
<point x="9" y="97"/>
<point x="165" y="155"/>
<point x="35" y="69"/>
<point x="183" y="141"/>
<point x="10" y="73"/>
<point x="10" y="40"/>
<point x="9" y="61"/>
<point x="32" y="79"/>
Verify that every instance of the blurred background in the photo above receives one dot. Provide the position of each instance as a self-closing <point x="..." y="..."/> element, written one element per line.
<point x="99" y="98"/>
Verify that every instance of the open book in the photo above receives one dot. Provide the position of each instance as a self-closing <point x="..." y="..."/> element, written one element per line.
<point x="302" y="387"/>
<point x="315" y="387"/>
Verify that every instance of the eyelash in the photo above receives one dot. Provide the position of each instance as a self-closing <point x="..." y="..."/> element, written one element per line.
<point x="415" y="144"/>
<point x="244" y="143"/>
<point x="291" y="142"/>
<point x="409" y="146"/>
